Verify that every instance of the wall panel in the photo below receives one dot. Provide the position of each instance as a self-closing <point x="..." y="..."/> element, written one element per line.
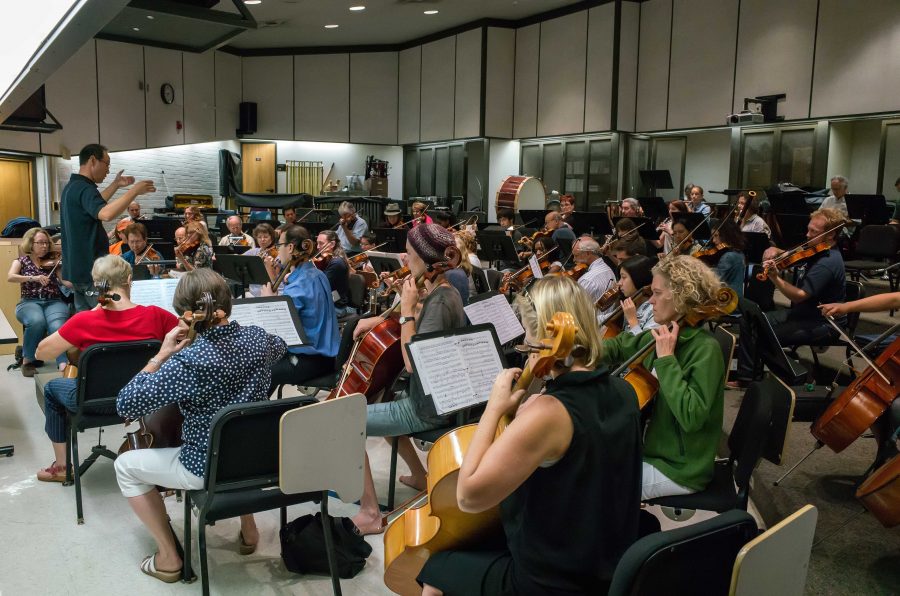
<point x="199" y="97"/>
<point x="77" y="112"/>
<point x="467" y="106"/>
<point x="373" y="98"/>
<point x="525" y="101"/>
<point x="121" y="95"/>
<point x="322" y="112"/>
<point x="561" y="81"/>
<point x="268" y="81"/>
<point x="409" y="95"/>
<point x="228" y="94"/>
<point x="163" y="67"/>
<point x="598" y="83"/>
<point x="857" y="58"/>
<point x="500" y="83"/>
<point x="628" y="64"/>
<point x="653" y="65"/>
<point x="438" y="89"/>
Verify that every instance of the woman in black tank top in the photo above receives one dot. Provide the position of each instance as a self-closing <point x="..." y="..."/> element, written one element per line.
<point x="566" y="472"/>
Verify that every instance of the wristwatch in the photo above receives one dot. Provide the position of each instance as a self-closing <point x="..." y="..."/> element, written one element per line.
<point x="405" y="320"/>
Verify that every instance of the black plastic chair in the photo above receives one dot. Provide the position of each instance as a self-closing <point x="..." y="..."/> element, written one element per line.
<point x="727" y="341"/>
<point x="494" y="278"/>
<point x="854" y="290"/>
<point x="242" y="476"/>
<point x="357" y="297"/>
<point x="330" y="379"/>
<point x="103" y="369"/>
<point x="747" y="441"/>
<point x="695" y="559"/>
<point x="877" y="248"/>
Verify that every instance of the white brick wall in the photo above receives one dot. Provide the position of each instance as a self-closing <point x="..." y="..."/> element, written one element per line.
<point x="192" y="169"/>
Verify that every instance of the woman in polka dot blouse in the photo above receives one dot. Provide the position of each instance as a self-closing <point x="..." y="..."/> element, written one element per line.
<point x="225" y="364"/>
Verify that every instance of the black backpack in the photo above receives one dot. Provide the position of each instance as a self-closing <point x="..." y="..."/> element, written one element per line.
<point x="17" y="226"/>
<point x="303" y="546"/>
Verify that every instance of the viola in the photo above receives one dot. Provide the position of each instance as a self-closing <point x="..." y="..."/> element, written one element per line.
<point x="798" y="254"/>
<point x="301" y="255"/>
<point x="609" y="297"/>
<point x="575" y="272"/>
<point x="522" y="277"/>
<point x="49" y="261"/>
<point x="614" y="322"/>
<point x="149" y="253"/>
<point x="530" y="240"/>
<point x="191" y="242"/>
<point x="438" y="524"/>
<point x="272" y="252"/>
<point x="322" y="260"/>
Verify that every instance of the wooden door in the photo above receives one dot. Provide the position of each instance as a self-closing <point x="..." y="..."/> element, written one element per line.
<point x="258" y="166"/>
<point x="16" y="198"/>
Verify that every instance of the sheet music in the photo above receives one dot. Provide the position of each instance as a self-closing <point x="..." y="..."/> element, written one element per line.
<point x="457" y="371"/>
<point x="496" y="311"/>
<point x="272" y="316"/>
<point x="535" y="267"/>
<point x="155" y="292"/>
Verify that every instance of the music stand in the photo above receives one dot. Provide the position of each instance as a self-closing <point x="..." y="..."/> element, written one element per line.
<point x="384" y="262"/>
<point x="538" y="215"/>
<point x="655" y="179"/>
<point x="766" y="349"/>
<point x="755" y="244"/>
<point x="229" y="249"/>
<point x="868" y="209"/>
<point x="315" y="227"/>
<point x="165" y="249"/>
<point x="691" y="221"/>
<point x="793" y="203"/>
<point x="244" y="269"/>
<point x="565" y="248"/>
<point x="495" y="245"/>
<point x="654" y="208"/>
<point x="393" y="238"/>
<point x="160" y="228"/>
<point x="792" y="228"/>
<point x="590" y="223"/>
<point x="646" y="229"/>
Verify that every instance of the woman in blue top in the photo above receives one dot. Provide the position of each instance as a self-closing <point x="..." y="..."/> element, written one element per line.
<point x="730" y="267"/>
<point x="225" y="364"/>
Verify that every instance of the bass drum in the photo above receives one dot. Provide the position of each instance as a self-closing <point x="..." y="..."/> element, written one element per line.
<point x="522" y="192"/>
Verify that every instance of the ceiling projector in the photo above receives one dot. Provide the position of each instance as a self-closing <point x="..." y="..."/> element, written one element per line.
<point x="745" y="117"/>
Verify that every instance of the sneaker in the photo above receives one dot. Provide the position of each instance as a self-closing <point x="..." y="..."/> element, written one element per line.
<point x="54" y="473"/>
<point x="28" y="369"/>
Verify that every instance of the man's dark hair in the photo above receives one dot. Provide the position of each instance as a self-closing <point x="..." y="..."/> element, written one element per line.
<point x="295" y="235"/>
<point x="441" y="217"/>
<point x="506" y="213"/>
<point x="93" y="150"/>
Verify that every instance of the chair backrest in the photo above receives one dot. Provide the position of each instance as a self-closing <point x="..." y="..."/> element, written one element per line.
<point x="749" y="436"/>
<point x="776" y="562"/>
<point x="494" y="278"/>
<point x="783" y="401"/>
<point x="322" y="447"/>
<point x="854" y="290"/>
<point x="695" y="559"/>
<point x="727" y="341"/>
<point x="357" y="295"/>
<point x="233" y="461"/>
<point x="879" y="242"/>
<point x="480" y="278"/>
<point x="760" y="292"/>
<point x="346" y="344"/>
<point x="103" y="369"/>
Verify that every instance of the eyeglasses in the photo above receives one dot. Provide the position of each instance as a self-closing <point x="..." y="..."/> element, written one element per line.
<point x="280" y="244"/>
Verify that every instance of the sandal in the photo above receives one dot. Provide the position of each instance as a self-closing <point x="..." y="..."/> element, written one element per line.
<point x="358" y="532"/>
<point x="148" y="566"/>
<point x="244" y="548"/>
<point x="53" y="473"/>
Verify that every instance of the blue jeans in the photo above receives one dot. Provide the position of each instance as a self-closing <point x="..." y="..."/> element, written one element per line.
<point x="40" y="318"/>
<point x="397" y="418"/>
<point x="82" y="300"/>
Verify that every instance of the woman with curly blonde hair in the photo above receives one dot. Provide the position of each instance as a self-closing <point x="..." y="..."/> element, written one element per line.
<point x="580" y="435"/>
<point x="683" y="431"/>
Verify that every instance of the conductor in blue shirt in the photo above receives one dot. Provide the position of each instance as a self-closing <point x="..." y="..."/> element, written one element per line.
<point x="310" y="291"/>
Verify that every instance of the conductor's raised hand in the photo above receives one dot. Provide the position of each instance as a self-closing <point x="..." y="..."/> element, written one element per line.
<point x="122" y="181"/>
<point x="143" y="187"/>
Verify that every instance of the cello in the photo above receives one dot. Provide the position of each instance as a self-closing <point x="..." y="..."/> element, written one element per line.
<point x="438" y="524"/>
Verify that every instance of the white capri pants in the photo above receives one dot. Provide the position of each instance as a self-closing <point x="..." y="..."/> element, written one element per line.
<point x="655" y="484"/>
<point x="141" y="470"/>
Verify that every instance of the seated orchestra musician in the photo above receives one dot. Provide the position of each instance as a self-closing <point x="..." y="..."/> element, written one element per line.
<point x="729" y="261"/>
<point x="393" y="216"/>
<point x="819" y="279"/>
<point x="41" y="308"/>
<point x="290" y="216"/>
<point x="506" y="219"/>
<point x="442" y="218"/>
<point x="121" y="244"/>
<point x="310" y="291"/>
<point x="553" y="223"/>
<point x="367" y="242"/>
<point x="626" y="229"/>
<point x="336" y="269"/>
<point x="751" y="222"/>
<point x="420" y="214"/>
<point x="139" y="251"/>
<point x="133" y="213"/>
<point x="192" y="213"/>
<point x="195" y="252"/>
<point x="462" y="278"/>
<point x="579" y="436"/>
<point x="631" y="208"/>
<point x="236" y="235"/>
<point x="599" y="277"/>
<point x="567" y="209"/>
<point x="351" y="227"/>
<point x="224" y="364"/>
<point x="621" y="250"/>
<point x="635" y="273"/>
<point x="697" y="203"/>
<point x="266" y="238"/>
<point x="117" y="320"/>
<point x="683" y="242"/>
<point x="665" y="241"/>
<point x="684" y="427"/>
<point x="441" y="310"/>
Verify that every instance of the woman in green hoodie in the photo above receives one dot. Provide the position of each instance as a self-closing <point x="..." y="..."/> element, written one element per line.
<point x="683" y="430"/>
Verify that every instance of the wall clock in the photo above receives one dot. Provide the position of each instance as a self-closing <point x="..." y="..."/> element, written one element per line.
<point x="167" y="92"/>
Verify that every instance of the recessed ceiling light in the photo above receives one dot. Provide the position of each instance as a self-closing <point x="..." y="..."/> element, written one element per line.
<point x="135" y="28"/>
<point x="150" y="16"/>
<point x="357" y="8"/>
<point x="252" y="1"/>
<point x="431" y="12"/>
<point x="332" y="26"/>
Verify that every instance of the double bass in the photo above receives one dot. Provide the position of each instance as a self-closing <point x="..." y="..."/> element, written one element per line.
<point x="439" y="524"/>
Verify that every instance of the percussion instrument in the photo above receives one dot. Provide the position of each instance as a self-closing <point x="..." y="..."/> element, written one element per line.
<point x="522" y="192"/>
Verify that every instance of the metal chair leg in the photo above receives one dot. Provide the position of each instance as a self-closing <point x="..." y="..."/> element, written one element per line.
<point x="329" y="546"/>
<point x="392" y="478"/>
<point x="69" y="440"/>
<point x="204" y="565"/>
<point x="187" y="574"/>
<point x="76" y="465"/>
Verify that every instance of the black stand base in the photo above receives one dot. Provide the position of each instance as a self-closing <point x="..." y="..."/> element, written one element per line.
<point x="7" y="450"/>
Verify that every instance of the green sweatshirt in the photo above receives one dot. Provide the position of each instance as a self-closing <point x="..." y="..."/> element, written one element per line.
<point x="684" y="428"/>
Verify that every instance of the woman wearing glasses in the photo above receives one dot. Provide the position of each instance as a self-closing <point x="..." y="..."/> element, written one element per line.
<point x="41" y="309"/>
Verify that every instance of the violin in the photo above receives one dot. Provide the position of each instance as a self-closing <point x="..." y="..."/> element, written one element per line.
<point x="149" y="253"/>
<point x="711" y="255"/>
<point x="191" y="242"/>
<point x="271" y="251"/>
<point x="438" y="524"/>
<point x="798" y="254"/>
<point x="613" y="323"/>
<point x="609" y="297"/>
<point x="530" y="240"/>
<point x="520" y="278"/>
<point x="575" y="272"/>
<point x="49" y="261"/>
<point x="322" y="260"/>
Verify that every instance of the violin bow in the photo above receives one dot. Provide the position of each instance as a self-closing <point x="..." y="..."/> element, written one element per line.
<point x="143" y="254"/>
<point x="856" y="348"/>
<point x="690" y="235"/>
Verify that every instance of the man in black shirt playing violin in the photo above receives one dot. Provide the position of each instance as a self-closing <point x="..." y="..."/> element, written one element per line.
<point x="819" y="279"/>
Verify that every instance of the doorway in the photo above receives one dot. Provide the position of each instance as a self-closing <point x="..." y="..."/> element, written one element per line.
<point x="258" y="167"/>
<point x="16" y="189"/>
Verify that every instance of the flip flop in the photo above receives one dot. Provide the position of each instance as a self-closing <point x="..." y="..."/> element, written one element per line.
<point x="244" y="548"/>
<point x="148" y="566"/>
<point x="359" y="532"/>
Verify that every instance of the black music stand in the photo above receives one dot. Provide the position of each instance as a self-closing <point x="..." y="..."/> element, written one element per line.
<point x="244" y="269"/>
<point x="655" y="179"/>
<point x="766" y="349"/>
<point x="793" y="203"/>
<point x="868" y="209"/>
<point x="646" y="229"/>
<point x="590" y="223"/>
<point x="393" y="238"/>
<point x="654" y="208"/>
<point x="229" y="249"/>
<point x="162" y="228"/>
<point x="792" y="228"/>
<point x="141" y="271"/>
<point x="316" y="227"/>
<point x="384" y="263"/>
<point x="755" y="244"/>
<point x="691" y="221"/>
<point x="537" y="215"/>
<point x="495" y="245"/>
<point x="165" y="249"/>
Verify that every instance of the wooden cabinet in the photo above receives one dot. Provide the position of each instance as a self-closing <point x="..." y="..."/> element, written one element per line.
<point x="165" y="121"/>
<point x="121" y="95"/>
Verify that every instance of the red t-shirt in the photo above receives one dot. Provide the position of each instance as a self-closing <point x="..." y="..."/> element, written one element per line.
<point x="91" y="327"/>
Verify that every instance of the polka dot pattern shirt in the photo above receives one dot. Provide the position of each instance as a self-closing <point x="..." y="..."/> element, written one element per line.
<point x="224" y="365"/>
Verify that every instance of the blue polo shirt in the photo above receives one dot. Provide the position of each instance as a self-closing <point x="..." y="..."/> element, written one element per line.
<point x="83" y="237"/>
<point x="309" y="289"/>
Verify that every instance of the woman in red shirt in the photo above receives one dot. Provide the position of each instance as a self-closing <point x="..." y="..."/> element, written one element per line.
<point x="118" y="320"/>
